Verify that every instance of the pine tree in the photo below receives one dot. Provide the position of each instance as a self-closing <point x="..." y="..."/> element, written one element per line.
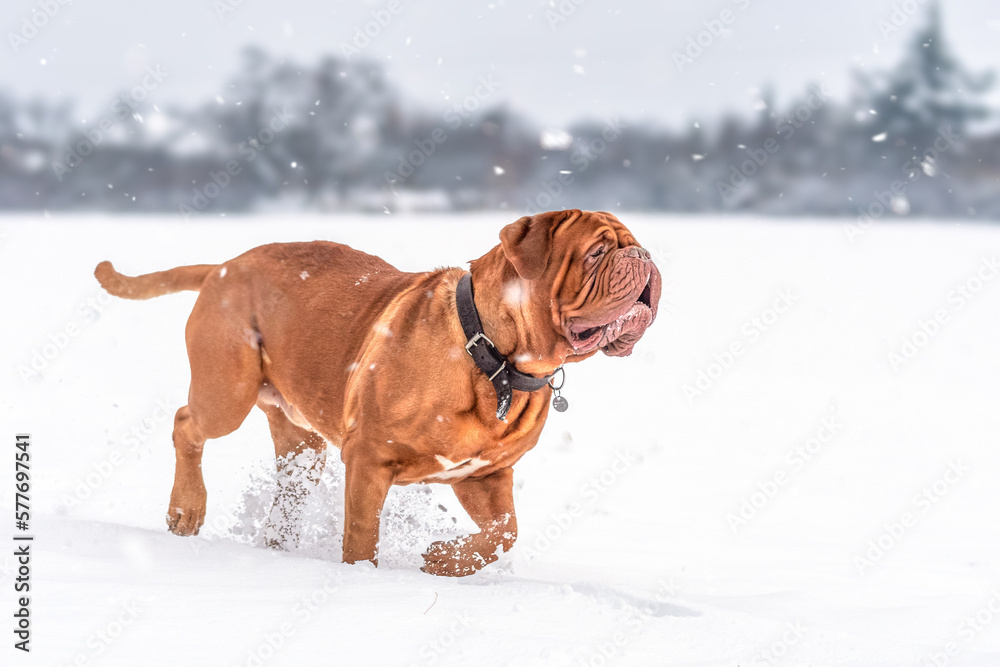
<point x="927" y="94"/>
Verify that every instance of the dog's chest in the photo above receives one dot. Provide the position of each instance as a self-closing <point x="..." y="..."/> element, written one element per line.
<point x="458" y="465"/>
<point x="461" y="450"/>
<point x="452" y="470"/>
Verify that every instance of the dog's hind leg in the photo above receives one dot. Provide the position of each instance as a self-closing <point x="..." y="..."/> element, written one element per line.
<point x="300" y="455"/>
<point x="225" y="377"/>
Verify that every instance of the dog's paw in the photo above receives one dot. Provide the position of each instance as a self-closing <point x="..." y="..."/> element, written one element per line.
<point x="180" y="522"/>
<point x="186" y="512"/>
<point x="459" y="557"/>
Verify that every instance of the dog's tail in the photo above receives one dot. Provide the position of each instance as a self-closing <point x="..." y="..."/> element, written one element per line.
<point x="152" y="284"/>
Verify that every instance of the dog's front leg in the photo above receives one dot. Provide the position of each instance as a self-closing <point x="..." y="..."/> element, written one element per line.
<point x="366" y="486"/>
<point x="489" y="501"/>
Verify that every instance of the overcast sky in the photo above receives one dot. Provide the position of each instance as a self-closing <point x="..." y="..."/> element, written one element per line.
<point x="606" y="57"/>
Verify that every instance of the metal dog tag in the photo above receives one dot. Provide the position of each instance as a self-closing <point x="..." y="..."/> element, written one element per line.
<point x="558" y="402"/>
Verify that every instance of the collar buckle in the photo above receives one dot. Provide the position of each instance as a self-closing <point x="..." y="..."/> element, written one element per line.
<point x="495" y="366"/>
<point x="474" y="341"/>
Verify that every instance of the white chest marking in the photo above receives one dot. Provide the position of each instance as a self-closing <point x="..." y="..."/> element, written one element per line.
<point x="452" y="470"/>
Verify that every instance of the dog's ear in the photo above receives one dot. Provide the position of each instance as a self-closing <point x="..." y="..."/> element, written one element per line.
<point x="527" y="243"/>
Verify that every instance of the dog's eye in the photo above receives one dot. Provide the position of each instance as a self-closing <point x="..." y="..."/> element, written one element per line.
<point x="594" y="256"/>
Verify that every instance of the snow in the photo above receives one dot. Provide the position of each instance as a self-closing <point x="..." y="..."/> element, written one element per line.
<point x="848" y="410"/>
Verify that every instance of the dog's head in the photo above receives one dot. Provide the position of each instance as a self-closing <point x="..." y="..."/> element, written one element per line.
<point x="602" y="287"/>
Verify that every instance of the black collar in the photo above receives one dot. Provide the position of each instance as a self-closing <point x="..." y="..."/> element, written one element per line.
<point x="497" y="367"/>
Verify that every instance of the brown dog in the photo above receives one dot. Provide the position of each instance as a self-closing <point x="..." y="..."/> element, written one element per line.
<point x="338" y="346"/>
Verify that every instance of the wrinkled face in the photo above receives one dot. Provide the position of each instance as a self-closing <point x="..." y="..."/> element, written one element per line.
<point x="612" y="290"/>
<point x="605" y="288"/>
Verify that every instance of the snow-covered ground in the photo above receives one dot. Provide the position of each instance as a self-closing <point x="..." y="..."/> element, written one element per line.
<point x="761" y="483"/>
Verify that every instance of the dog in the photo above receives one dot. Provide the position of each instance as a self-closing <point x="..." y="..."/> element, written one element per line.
<point x="444" y="376"/>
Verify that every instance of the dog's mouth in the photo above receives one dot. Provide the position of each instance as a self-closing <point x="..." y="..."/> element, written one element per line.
<point x="617" y="334"/>
<point x="644" y="296"/>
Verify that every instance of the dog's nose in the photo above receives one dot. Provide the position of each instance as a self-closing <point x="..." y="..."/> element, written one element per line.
<point x="636" y="252"/>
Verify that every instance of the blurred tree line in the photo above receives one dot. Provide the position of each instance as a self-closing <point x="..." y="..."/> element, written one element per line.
<point x="916" y="140"/>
